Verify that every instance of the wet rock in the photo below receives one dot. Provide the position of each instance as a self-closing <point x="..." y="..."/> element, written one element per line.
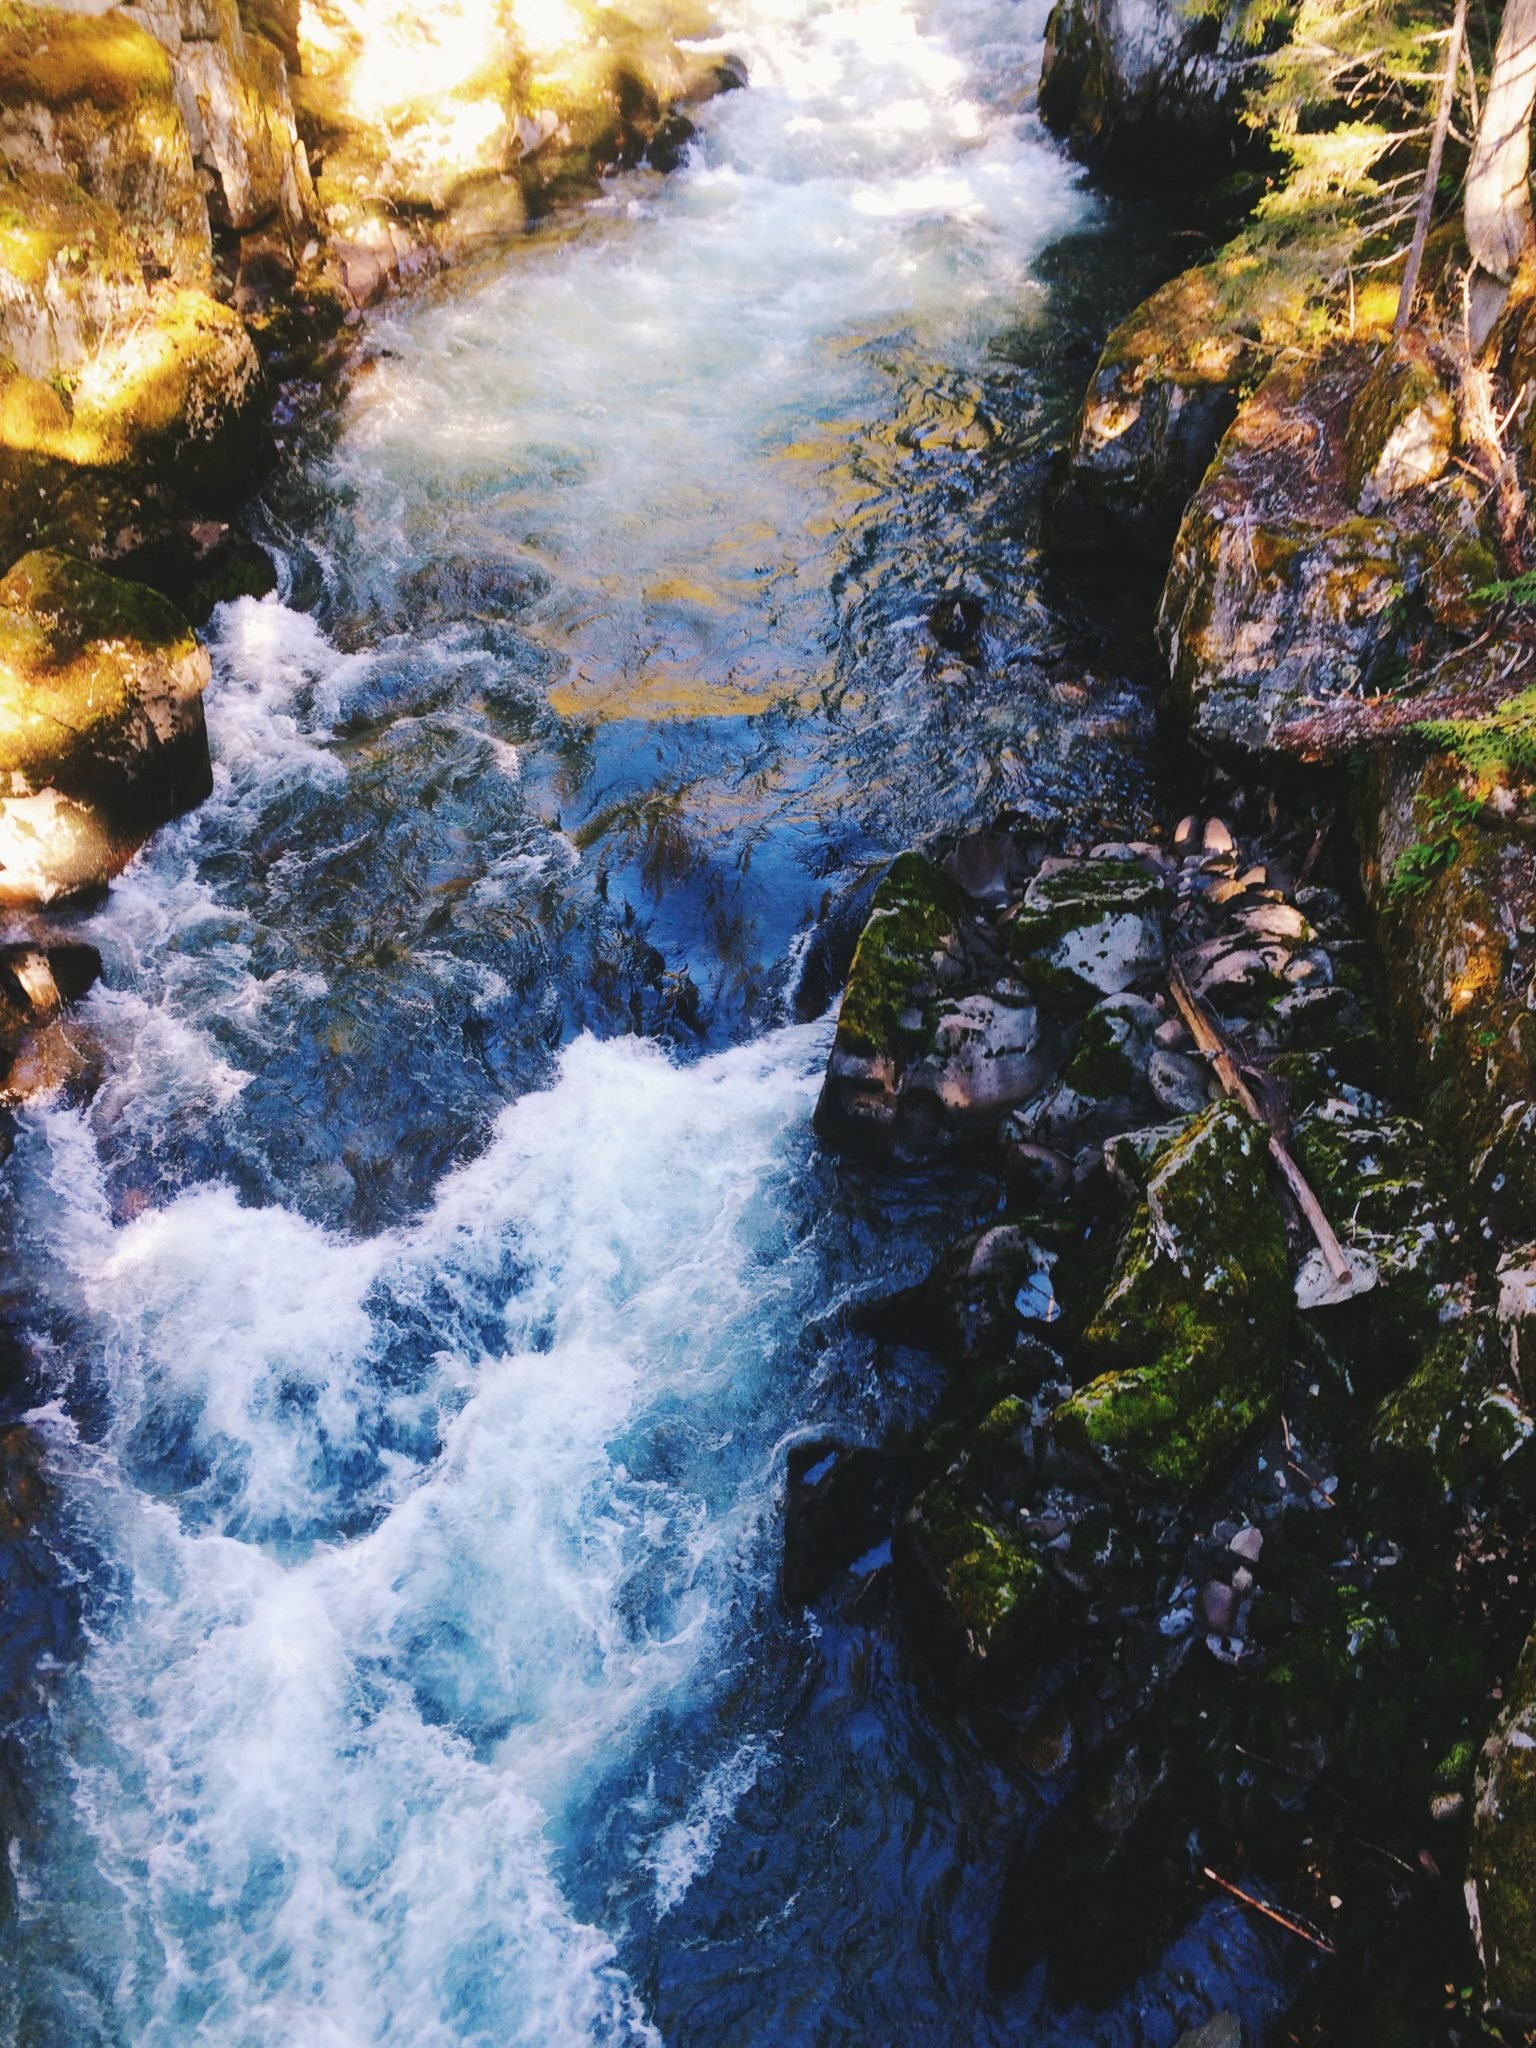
<point x="1139" y="85"/>
<point x="1224" y="2031"/>
<point x="1161" y="397"/>
<point x="1216" y="838"/>
<point x="1453" y="888"/>
<point x="1188" y="1344"/>
<point x="101" y="724"/>
<point x="989" y="1284"/>
<point x="1501" y="1867"/>
<point x="955" y="620"/>
<point x="969" y="1581"/>
<point x="839" y="1505"/>
<point x="1247" y="1543"/>
<point x="1088" y="927"/>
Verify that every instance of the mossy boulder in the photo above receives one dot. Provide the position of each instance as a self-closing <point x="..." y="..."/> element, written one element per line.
<point x="101" y="724"/>
<point x="92" y="98"/>
<point x="1450" y="870"/>
<point x="1088" y="928"/>
<point x="1281" y="596"/>
<point x="970" y="1583"/>
<point x="934" y="1040"/>
<point x="1163" y="393"/>
<point x="1188" y="1346"/>
<point x="1501" y="1867"/>
<point x="1402" y="426"/>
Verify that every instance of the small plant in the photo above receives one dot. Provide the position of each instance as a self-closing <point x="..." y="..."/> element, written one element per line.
<point x="1445" y="818"/>
<point x="1518" y="590"/>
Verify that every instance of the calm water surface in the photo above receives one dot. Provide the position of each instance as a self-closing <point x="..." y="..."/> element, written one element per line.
<point x="426" y="1303"/>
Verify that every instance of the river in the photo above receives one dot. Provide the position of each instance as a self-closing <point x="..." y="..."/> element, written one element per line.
<point x="427" y="1300"/>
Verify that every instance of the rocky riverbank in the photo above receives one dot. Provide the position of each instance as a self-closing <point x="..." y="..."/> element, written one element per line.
<point x="1235" y="1558"/>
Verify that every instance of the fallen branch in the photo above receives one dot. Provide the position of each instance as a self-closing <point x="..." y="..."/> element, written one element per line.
<point x="1214" y="1046"/>
<point x="1303" y="1933"/>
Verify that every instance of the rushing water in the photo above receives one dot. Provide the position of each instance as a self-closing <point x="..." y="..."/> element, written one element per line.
<point x="425" y="1303"/>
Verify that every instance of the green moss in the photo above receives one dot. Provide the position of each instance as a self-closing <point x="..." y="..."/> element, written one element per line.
<point x="1190" y="1336"/>
<point x="54" y="58"/>
<point x="1100" y="1066"/>
<point x="76" y="646"/>
<point x="1402" y="383"/>
<point x="1500" y="744"/>
<point x="1073" y="899"/>
<point x="916" y="910"/>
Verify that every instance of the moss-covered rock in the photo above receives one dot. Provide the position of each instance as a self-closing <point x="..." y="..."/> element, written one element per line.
<point x="933" y="1040"/>
<point x="1088" y="928"/>
<point x="1189" y="1341"/>
<point x="1450" y="871"/>
<point x="1401" y="426"/>
<point x="1281" y="596"/>
<point x="1501" y="1869"/>
<point x="969" y="1581"/>
<point x="101" y="724"/>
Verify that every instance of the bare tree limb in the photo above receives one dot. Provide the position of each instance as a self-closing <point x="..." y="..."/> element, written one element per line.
<point x="1426" y="211"/>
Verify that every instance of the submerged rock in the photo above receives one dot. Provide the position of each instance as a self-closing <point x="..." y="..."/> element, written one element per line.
<point x="101" y="724"/>
<point x="1189" y="1341"/>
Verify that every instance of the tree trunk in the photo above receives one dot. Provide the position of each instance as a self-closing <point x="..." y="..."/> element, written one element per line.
<point x="1498" y="206"/>
<point x="1426" y="211"/>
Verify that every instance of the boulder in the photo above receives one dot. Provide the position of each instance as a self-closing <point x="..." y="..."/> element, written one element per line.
<point x="1145" y="85"/>
<point x="1188" y="1346"/>
<point x="1281" y="596"/>
<point x="1163" y="393"/>
<point x="1088" y="928"/>
<point x="1402" y="426"/>
<point x="101" y="724"/>
<point x="922" y="1055"/>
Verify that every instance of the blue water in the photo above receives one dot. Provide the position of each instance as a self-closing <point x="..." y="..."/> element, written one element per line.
<point x="422" y="1310"/>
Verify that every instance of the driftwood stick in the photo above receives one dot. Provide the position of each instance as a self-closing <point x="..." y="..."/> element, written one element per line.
<point x="1214" y="1046"/>
<point x="1318" y="1941"/>
<point x="1426" y="209"/>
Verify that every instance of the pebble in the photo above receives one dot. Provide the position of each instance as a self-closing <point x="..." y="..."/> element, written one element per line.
<point x="1242" y="1580"/>
<point x="1171" y="1034"/>
<point x="1186" y="834"/>
<point x="1218" y="1607"/>
<point x="1447" y="1806"/>
<point x="1248" y="1543"/>
<point x="1216" y="838"/>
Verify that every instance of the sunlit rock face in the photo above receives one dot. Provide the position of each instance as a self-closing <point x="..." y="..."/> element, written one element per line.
<point x="431" y="126"/>
<point x="101" y="724"/>
<point x="118" y="366"/>
<point x="231" y="92"/>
